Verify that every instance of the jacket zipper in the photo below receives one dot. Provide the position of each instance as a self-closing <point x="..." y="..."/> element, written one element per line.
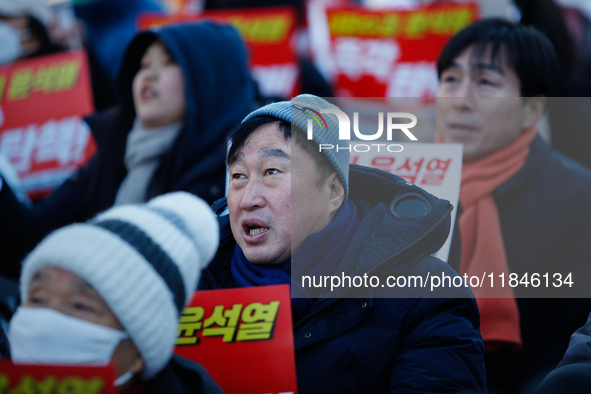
<point x="417" y="240"/>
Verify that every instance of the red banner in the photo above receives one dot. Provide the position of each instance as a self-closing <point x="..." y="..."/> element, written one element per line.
<point x="268" y="34"/>
<point x="391" y="53"/>
<point x="42" y="102"/>
<point x="33" y="379"/>
<point x="243" y="337"/>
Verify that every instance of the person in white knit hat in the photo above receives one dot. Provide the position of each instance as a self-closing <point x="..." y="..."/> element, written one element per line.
<point x="111" y="291"/>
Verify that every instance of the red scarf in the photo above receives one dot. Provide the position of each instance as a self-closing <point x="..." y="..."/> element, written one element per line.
<point x="483" y="249"/>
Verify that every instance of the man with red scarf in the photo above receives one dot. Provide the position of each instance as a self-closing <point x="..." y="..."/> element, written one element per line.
<point x="524" y="208"/>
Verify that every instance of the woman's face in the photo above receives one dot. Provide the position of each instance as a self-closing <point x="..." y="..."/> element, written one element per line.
<point x="159" y="89"/>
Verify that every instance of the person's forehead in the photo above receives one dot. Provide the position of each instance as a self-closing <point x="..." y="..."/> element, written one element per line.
<point x="266" y="142"/>
<point x="471" y="60"/>
<point x="47" y="275"/>
<point x="156" y="48"/>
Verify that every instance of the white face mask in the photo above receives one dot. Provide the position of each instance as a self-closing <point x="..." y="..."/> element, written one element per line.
<point x="10" y="43"/>
<point x="45" y="336"/>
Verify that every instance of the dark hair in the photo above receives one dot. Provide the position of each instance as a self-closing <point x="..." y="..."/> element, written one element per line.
<point x="46" y="46"/>
<point x="243" y="131"/>
<point x="529" y="53"/>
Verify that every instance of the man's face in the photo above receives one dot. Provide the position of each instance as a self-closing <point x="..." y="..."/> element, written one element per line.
<point x="262" y="178"/>
<point x="259" y="196"/>
<point x="479" y="105"/>
<point x="71" y="295"/>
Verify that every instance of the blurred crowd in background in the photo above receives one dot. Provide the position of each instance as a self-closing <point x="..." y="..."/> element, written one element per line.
<point x="104" y="28"/>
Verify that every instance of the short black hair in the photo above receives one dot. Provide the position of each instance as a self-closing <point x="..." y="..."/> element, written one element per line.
<point x="243" y="131"/>
<point x="529" y="53"/>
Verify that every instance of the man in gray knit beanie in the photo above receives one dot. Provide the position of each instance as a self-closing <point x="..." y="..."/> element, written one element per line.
<point x="297" y="215"/>
<point x="314" y="183"/>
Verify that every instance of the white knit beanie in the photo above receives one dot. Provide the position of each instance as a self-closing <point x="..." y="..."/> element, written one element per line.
<point x="144" y="260"/>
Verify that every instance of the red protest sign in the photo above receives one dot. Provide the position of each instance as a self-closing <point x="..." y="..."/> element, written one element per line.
<point x="55" y="379"/>
<point x="390" y="53"/>
<point x="268" y="34"/>
<point x="243" y="337"/>
<point x="42" y="102"/>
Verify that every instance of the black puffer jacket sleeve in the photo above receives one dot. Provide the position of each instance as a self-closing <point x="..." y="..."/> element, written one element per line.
<point x="573" y="374"/>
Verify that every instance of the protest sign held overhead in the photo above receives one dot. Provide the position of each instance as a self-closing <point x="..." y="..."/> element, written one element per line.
<point x="386" y="53"/>
<point x="268" y="34"/>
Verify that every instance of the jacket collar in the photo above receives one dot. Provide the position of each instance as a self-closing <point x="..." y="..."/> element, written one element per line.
<point x="402" y="210"/>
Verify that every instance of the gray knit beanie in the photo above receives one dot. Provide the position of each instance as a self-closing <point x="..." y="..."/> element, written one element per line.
<point x="307" y="107"/>
<point x="144" y="260"/>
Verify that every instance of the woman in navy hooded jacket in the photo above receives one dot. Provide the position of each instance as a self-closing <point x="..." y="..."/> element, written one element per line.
<point x="182" y="88"/>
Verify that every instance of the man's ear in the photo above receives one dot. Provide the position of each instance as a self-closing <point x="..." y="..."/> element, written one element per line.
<point x="533" y="110"/>
<point x="138" y="364"/>
<point x="127" y="358"/>
<point x="337" y="193"/>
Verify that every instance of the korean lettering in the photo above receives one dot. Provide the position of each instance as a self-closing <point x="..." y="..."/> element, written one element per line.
<point x="226" y="322"/>
<point x="409" y="171"/>
<point x="435" y="172"/>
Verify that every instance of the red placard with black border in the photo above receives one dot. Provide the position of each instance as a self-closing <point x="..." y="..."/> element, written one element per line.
<point x="48" y="379"/>
<point x="389" y="53"/>
<point x="268" y="33"/>
<point x="42" y="103"/>
<point x="243" y="337"/>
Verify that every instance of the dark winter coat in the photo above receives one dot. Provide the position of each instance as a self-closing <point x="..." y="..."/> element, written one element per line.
<point x="573" y="374"/>
<point x="182" y="376"/>
<point x="3" y="343"/>
<point x="219" y="93"/>
<point x="545" y="214"/>
<point x="383" y="341"/>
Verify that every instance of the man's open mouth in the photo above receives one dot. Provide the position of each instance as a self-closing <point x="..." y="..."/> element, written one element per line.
<point x="254" y="227"/>
<point x="462" y="127"/>
<point x="257" y="230"/>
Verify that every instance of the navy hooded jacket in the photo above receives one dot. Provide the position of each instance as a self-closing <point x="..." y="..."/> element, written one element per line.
<point x="382" y="340"/>
<point x="219" y="93"/>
